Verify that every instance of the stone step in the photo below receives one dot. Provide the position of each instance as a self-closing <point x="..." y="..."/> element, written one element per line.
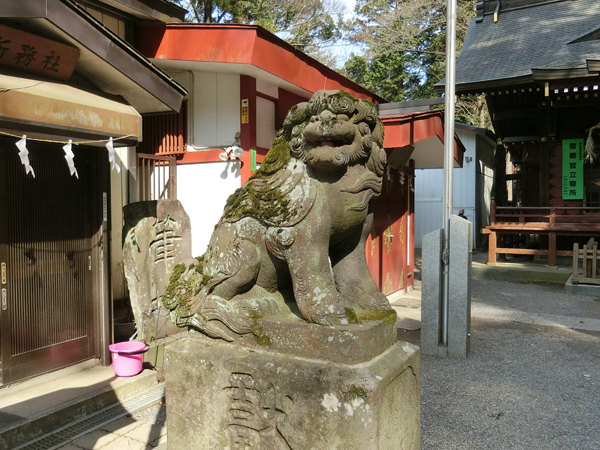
<point x="36" y="407"/>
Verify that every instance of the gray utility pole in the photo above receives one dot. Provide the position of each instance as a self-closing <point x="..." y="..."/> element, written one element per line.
<point x="448" y="158"/>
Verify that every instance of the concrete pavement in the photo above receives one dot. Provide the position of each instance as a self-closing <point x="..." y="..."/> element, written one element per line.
<point x="145" y="430"/>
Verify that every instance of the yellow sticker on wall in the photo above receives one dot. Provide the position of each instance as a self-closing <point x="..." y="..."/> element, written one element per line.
<point x="245" y="110"/>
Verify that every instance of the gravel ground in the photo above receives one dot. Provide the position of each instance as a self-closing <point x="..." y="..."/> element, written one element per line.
<point x="549" y="298"/>
<point x="523" y="386"/>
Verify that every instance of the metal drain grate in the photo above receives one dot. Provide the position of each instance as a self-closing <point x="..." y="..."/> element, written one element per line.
<point x="78" y="428"/>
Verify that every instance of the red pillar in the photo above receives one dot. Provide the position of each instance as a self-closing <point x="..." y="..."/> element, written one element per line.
<point x="248" y="122"/>
<point x="411" y="196"/>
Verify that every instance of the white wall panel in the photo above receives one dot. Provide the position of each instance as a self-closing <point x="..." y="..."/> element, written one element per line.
<point x="428" y="217"/>
<point x="203" y="190"/>
<point x="265" y="122"/>
<point x="204" y="118"/>
<point x="216" y="112"/>
<point x="266" y="88"/>
<point x="228" y="108"/>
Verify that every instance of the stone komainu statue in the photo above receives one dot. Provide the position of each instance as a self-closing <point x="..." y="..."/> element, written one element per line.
<point x="296" y="230"/>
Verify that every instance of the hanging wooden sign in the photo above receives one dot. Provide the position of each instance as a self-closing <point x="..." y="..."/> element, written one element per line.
<point x="572" y="169"/>
<point x="36" y="55"/>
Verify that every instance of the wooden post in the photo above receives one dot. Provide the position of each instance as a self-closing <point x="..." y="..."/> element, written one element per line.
<point x="589" y="258"/>
<point x="575" y="263"/>
<point x="585" y="262"/>
<point x="594" y="259"/>
<point x="552" y="249"/>
<point x="492" y="248"/>
<point x="173" y="177"/>
<point x="493" y="212"/>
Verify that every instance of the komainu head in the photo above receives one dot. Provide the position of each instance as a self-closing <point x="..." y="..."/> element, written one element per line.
<point x="336" y="129"/>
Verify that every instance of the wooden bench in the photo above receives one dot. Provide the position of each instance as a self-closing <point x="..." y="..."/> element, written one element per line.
<point x="540" y="221"/>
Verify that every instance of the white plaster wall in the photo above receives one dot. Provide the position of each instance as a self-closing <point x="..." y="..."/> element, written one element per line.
<point x="265" y="122"/>
<point x="266" y="88"/>
<point x="214" y="110"/>
<point x="203" y="190"/>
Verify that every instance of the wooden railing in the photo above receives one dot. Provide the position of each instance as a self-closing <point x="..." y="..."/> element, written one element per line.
<point x="157" y="177"/>
<point x="548" y="221"/>
<point x="589" y="256"/>
<point x="165" y="134"/>
<point x="553" y="216"/>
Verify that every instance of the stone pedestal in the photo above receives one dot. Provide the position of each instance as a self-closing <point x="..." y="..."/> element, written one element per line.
<point x="225" y="396"/>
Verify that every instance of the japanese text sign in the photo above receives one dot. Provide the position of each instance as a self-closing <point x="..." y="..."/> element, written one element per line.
<point x="572" y="169"/>
<point x="33" y="54"/>
<point x="245" y="111"/>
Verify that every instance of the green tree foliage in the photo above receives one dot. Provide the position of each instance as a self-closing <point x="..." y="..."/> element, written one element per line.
<point x="383" y="75"/>
<point x="405" y="49"/>
<point x="309" y="25"/>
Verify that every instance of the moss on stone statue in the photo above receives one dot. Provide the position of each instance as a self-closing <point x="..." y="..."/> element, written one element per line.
<point x="388" y="316"/>
<point x="258" y="330"/>
<point x="181" y="289"/>
<point x="351" y="316"/>
<point x="342" y="94"/>
<point x="267" y="205"/>
<point x="357" y="392"/>
<point x="276" y="159"/>
<point x="168" y="297"/>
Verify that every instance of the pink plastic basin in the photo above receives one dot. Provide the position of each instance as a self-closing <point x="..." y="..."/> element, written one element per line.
<point x="127" y="357"/>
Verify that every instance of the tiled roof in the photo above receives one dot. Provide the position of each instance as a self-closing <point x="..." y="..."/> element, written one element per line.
<point x="527" y="39"/>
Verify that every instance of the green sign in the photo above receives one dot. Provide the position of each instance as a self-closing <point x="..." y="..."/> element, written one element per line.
<point x="253" y="158"/>
<point x="572" y="169"/>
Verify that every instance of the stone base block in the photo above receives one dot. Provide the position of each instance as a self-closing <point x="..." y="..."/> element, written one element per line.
<point x="223" y="396"/>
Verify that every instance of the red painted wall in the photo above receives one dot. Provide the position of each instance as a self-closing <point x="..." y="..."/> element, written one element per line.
<point x="286" y="101"/>
<point x="248" y="130"/>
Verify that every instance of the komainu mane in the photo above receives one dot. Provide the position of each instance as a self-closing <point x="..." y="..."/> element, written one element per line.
<point x="292" y="239"/>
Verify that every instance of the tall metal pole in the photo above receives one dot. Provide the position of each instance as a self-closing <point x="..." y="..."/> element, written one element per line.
<point x="448" y="157"/>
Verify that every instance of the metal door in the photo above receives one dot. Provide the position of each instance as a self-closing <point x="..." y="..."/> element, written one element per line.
<point x="46" y="254"/>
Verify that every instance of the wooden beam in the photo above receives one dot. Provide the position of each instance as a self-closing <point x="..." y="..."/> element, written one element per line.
<point x="589" y="280"/>
<point x="515" y="139"/>
<point x="552" y="249"/>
